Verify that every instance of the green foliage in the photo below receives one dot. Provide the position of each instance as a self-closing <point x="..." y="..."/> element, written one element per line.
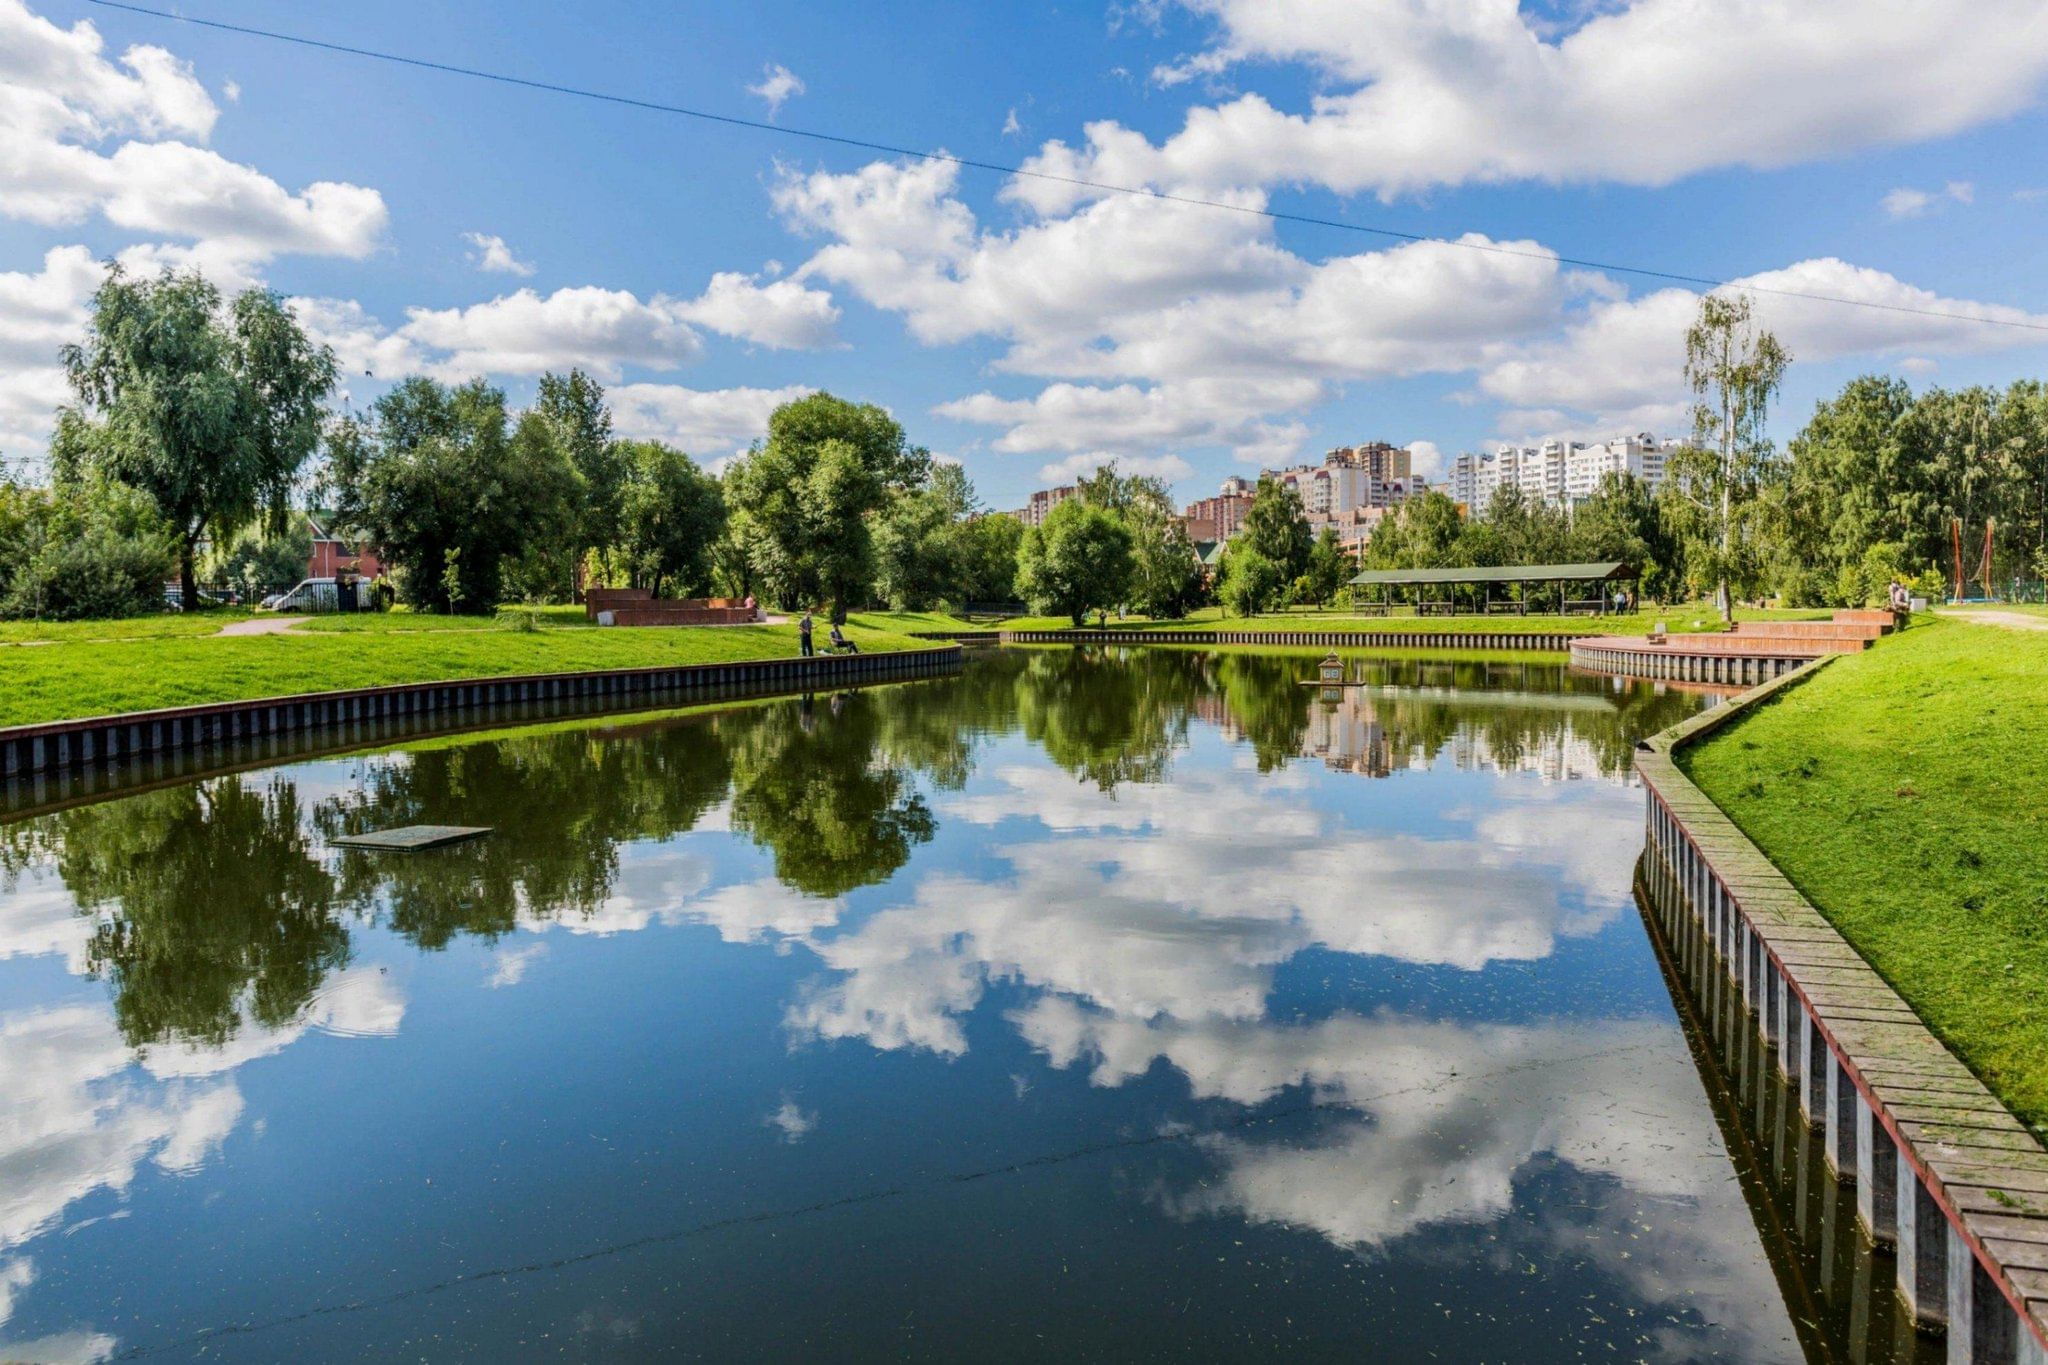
<point x="211" y="411"/>
<point x="1252" y="583"/>
<point x="922" y="544"/>
<point x="1166" y="580"/>
<point x="1277" y="529"/>
<point x="1733" y="368"/>
<point x="1875" y="465"/>
<point x="1077" y="562"/>
<point x="806" y="496"/>
<point x="1422" y="533"/>
<point x="432" y="478"/>
<point x="1329" y="569"/>
<point x="92" y="549"/>
<point x="989" y="568"/>
<point x="671" y="515"/>
<point x="260" y="562"/>
<point x="1623" y="521"/>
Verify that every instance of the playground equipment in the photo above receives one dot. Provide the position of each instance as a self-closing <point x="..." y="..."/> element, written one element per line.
<point x="1983" y="574"/>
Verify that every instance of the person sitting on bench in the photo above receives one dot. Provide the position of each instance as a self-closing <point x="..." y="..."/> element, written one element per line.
<point x="840" y="642"/>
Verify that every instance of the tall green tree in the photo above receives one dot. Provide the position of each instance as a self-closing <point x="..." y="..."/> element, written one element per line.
<point x="433" y="479"/>
<point x="1421" y="533"/>
<point x="990" y="546"/>
<point x="1733" y="368"/>
<point x="1621" y="521"/>
<point x="1252" y="582"/>
<point x="671" y="516"/>
<point x="921" y="542"/>
<point x="1077" y="562"/>
<point x="210" y="410"/>
<point x="1329" y="569"/>
<point x="570" y="411"/>
<point x="1166" y="579"/>
<point x="808" y="492"/>
<point x="1276" y="527"/>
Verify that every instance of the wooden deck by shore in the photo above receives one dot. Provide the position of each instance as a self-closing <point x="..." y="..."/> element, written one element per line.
<point x="1943" y="1172"/>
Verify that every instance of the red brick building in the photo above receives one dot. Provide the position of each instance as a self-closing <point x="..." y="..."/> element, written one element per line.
<point x="334" y="555"/>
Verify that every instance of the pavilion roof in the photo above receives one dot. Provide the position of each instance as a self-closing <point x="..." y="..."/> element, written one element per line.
<point x="1501" y="573"/>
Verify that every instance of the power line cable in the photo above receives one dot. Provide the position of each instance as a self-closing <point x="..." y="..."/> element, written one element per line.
<point x="1076" y="182"/>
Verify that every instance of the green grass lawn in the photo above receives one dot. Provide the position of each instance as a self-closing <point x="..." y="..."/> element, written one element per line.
<point x="161" y="625"/>
<point x="2018" y="608"/>
<point x="81" y="677"/>
<point x="1905" y="792"/>
<point x="401" y="621"/>
<point x="1695" y="616"/>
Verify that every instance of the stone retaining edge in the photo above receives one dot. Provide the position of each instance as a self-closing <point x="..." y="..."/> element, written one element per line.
<point x="1868" y="1071"/>
<point x="70" y="745"/>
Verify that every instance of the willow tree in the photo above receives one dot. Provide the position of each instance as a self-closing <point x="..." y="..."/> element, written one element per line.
<point x="210" y="410"/>
<point x="1733" y="368"/>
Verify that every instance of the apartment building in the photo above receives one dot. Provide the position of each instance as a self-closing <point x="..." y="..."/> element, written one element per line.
<point x="1219" y="518"/>
<point x="1041" y="504"/>
<point x="1556" y="471"/>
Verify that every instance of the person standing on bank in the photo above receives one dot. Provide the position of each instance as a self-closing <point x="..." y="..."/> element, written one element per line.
<point x="803" y="633"/>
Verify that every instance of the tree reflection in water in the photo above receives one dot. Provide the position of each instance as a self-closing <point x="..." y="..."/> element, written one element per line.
<point x="210" y="905"/>
<point x="216" y="904"/>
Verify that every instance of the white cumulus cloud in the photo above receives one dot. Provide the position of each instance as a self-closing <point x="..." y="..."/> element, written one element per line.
<point x="1424" y="94"/>
<point x="80" y="134"/>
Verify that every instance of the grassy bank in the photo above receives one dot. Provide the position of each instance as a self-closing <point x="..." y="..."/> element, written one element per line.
<point x="1905" y="792"/>
<point x="1689" y="617"/>
<point x="82" y="676"/>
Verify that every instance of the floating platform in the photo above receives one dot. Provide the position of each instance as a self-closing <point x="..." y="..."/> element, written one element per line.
<point x="413" y="838"/>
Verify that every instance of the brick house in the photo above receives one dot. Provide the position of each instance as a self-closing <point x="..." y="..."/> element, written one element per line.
<point x="333" y="555"/>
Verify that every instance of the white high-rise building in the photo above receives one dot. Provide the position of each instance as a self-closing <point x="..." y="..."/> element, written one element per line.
<point x="1556" y="471"/>
<point x="1641" y="455"/>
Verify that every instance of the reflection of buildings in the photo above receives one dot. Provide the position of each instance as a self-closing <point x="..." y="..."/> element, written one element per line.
<point x="1345" y="731"/>
<point x="1360" y="729"/>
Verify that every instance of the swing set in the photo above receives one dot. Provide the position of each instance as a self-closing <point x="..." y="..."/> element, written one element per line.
<point x="1983" y="574"/>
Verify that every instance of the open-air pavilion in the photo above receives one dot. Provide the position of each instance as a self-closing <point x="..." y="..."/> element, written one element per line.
<point x="1435" y="592"/>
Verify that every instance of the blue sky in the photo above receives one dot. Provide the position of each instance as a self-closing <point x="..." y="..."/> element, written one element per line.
<point x="1874" y="149"/>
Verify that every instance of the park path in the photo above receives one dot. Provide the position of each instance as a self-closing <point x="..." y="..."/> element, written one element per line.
<point x="2010" y="620"/>
<point x="262" y="625"/>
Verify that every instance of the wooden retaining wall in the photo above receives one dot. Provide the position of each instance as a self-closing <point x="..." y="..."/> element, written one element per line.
<point x="1673" y="662"/>
<point x="71" y="745"/>
<point x="1942" y="1170"/>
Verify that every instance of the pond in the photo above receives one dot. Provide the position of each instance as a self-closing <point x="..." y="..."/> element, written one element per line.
<point x="1136" y="1003"/>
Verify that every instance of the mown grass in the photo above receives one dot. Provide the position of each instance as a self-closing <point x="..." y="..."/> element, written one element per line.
<point x="79" y="678"/>
<point x="401" y="621"/>
<point x="160" y="625"/>
<point x="1905" y="792"/>
<point x="1681" y="618"/>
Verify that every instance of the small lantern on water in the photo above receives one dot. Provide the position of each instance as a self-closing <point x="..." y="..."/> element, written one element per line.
<point x="1332" y="671"/>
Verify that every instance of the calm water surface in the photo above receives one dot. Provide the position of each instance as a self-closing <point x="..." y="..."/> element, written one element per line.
<point x="1112" y="1005"/>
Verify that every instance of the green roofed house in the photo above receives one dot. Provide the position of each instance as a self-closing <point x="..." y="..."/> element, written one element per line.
<point x="1593" y="588"/>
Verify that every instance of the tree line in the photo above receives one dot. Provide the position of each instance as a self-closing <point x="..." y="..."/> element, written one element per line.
<point x="197" y="423"/>
<point x="1879" y="485"/>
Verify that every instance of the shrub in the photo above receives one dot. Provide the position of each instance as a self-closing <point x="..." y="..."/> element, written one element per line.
<point x="94" y="549"/>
